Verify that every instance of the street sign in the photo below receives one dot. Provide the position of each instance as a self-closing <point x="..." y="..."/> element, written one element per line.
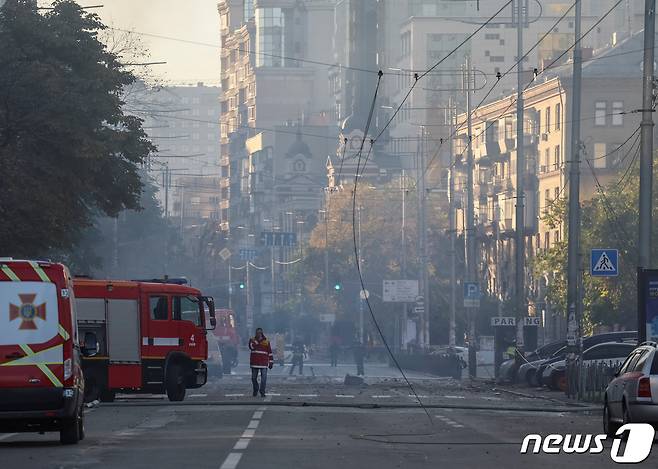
<point x="248" y="254"/>
<point x="419" y="309"/>
<point x="604" y="263"/>
<point x="499" y="321"/>
<point x="532" y="321"/>
<point x="276" y="238"/>
<point x="225" y="254"/>
<point x="471" y="295"/>
<point x="400" y="291"/>
<point x="364" y="294"/>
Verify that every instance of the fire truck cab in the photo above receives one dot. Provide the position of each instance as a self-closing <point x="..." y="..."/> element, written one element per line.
<point x="41" y="381"/>
<point x="151" y="336"/>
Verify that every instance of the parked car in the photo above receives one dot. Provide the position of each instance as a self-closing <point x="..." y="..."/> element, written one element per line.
<point x="632" y="396"/>
<point x="613" y="353"/>
<point x="622" y="336"/>
<point x="508" y="369"/>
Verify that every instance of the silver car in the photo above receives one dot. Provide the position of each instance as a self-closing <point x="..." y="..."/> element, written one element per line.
<point x="632" y="396"/>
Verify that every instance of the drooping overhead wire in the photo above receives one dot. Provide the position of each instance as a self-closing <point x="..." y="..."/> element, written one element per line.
<point x="556" y="60"/>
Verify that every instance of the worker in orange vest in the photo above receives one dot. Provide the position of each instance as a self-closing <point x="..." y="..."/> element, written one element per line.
<point x="260" y="360"/>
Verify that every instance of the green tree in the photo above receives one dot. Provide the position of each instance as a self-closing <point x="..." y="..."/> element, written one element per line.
<point x="68" y="151"/>
<point x="610" y="220"/>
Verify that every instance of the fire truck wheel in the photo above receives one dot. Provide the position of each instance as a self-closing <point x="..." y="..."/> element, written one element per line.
<point x="70" y="433"/>
<point x="175" y="383"/>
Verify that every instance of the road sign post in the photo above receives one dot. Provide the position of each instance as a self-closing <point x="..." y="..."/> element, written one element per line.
<point x="604" y="263"/>
<point x="400" y="291"/>
<point x="472" y="295"/>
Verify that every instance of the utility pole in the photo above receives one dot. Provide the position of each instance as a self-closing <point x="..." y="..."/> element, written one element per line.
<point x="519" y="271"/>
<point x="165" y="183"/>
<point x="403" y="321"/>
<point x="573" y="249"/>
<point x="471" y="256"/>
<point x="452" y="227"/>
<point x="361" y="299"/>
<point x="646" y="146"/>
<point x="423" y="333"/>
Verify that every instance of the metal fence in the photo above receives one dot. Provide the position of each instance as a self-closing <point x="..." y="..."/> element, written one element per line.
<point x="588" y="381"/>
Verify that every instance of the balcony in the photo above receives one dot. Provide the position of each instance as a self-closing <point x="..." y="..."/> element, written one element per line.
<point x="224" y="183"/>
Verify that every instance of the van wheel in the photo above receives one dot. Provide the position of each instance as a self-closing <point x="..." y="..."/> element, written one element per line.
<point x="175" y="383"/>
<point x="69" y="434"/>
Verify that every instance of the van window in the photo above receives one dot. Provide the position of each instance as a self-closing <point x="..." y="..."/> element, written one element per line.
<point x="186" y="308"/>
<point x="158" y="307"/>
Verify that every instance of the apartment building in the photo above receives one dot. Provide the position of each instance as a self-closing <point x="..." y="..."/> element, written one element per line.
<point x="430" y="31"/>
<point x="609" y="99"/>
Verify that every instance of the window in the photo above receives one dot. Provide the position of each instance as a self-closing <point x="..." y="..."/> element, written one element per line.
<point x="158" y="307"/>
<point x="547" y="240"/>
<point x="558" y="116"/>
<point x="599" y="155"/>
<point x="557" y="162"/>
<point x="600" y="109"/>
<point x="624" y="366"/>
<point x="617" y="110"/>
<point x="186" y="308"/>
<point x="548" y="120"/>
<point x="299" y="166"/>
<point x="547" y="161"/>
<point x="654" y="364"/>
<point x="639" y="366"/>
<point x="248" y="10"/>
<point x="270" y="45"/>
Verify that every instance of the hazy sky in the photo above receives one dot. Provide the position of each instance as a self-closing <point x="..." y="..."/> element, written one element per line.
<point x="192" y="20"/>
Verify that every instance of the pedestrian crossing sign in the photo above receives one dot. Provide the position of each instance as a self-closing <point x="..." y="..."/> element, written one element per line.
<point x="604" y="263"/>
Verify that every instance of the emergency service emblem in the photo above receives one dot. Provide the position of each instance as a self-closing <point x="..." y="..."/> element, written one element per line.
<point x="28" y="312"/>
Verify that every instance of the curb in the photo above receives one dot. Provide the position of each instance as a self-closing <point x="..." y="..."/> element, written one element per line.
<point x="546" y="398"/>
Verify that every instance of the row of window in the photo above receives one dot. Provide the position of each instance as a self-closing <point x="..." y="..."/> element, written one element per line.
<point x="182" y="308"/>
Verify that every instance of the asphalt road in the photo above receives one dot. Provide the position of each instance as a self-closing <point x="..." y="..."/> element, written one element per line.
<point x="311" y="422"/>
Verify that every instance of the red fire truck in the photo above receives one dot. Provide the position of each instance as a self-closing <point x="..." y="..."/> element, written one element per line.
<point x="227" y="337"/>
<point x="151" y="336"/>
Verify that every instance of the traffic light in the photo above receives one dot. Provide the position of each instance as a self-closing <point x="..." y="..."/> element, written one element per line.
<point x="241" y="285"/>
<point x="338" y="286"/>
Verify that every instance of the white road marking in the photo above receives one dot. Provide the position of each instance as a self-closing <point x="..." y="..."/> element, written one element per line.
<point x="231" y="461"/>
<point x="273" y="394"/>
<point x="381" y="397"/>
<point x="198" y="395"/>
<point x="307" y="395"/>
<point x="242" y="444"/>
<point x="454" y="397"/>
<point x="234" y="395"/>
<point x="8" y="435"/>
<point x="233" y="458"/>
<point x="345" y="396"/>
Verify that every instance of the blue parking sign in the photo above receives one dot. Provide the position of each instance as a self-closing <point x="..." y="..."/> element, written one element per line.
<point x="604" y="263"/>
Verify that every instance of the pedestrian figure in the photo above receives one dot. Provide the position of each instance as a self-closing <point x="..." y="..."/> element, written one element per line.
<point x="260" y="360"/>
<point x="333" y="350"/>
<point x="359" y="353"/>
<point x="298" y="351"/>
